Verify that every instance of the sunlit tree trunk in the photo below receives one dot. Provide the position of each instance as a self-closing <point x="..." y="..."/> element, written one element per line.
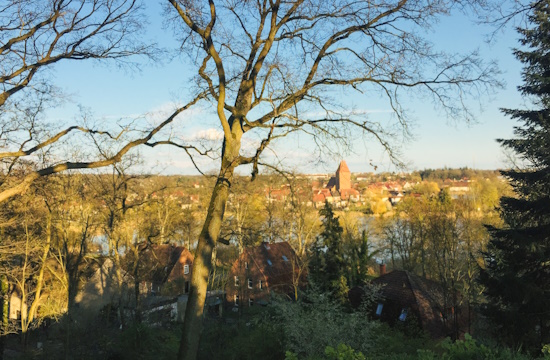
<point x="4" y="312"/>
<point x="202" y="264"/>
<point x="40" y="277"/>
<point x="192" y="326"/>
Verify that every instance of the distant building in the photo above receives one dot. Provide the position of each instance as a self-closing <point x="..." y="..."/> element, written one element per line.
<point x="342" y="179"/>
<point x="340" y="185"/>
<point x="459" y="186"/>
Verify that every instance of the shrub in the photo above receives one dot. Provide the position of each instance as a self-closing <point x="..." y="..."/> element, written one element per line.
<point x="317" y="321"/>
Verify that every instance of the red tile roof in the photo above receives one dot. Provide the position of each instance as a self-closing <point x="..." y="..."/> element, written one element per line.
<point x="404" y="290"/>
<point x="318" y="198"/>
<point x="346" y="193"/>
<point x="161" y="263"/>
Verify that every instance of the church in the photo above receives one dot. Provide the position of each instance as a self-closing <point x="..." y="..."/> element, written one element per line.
<point x="340" y="184"/>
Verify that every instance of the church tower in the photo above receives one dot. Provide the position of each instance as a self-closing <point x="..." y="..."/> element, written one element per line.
<point x="343" y="177"/>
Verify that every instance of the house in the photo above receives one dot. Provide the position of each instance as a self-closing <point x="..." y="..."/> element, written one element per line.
<point x="159" y="270"/>
<point x="262" y="270"/>
<point x="101" y="288"/>
<point x="459" y="186"/>
<point x="320" y="196"/>
<point x="408" y="298"/>
<point x="395" y="196"/>
<point x="349" y="194"/>
<point x="163" y="269"/>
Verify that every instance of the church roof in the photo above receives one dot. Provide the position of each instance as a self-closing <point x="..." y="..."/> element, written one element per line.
<point x="343" y="167"/>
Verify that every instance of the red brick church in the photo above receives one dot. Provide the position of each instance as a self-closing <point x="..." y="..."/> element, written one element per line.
<point x="340" y="183"/>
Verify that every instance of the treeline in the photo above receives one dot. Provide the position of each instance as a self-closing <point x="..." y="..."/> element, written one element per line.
<point x="456" y="174"/>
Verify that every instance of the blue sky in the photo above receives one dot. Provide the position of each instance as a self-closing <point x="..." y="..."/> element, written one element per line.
<point x="111" y="93"/>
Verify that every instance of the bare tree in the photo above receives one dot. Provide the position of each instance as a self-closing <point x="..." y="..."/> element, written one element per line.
<point x="268" y="67"/>
<point x="25" y="249"/>
<point x="34" y="36"/>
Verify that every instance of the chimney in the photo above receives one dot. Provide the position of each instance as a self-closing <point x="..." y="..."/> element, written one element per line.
<point x="382" y="269"/>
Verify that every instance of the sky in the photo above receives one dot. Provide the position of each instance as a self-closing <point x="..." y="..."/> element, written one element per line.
<point x="110" y="93"/>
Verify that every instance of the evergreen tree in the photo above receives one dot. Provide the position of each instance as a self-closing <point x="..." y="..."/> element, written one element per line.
<point x="327" y="266"/>
<point x="362" y="256"/>
<point x="517" y="262"/>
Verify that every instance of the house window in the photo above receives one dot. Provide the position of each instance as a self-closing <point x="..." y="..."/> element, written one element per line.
<point x="186" y="269"/>
<point x="379" y="309"/>
<point x="236" y="300"/>
<point x="236" y="280"/>
<point x="250" y="283"/>
<point x="250" y="302"/>
<point x="246" y="265"/>
<point x="261" y="285"/>
<point x="285" y="258"/>
<point x="269" y="262"/>
<point x="403" y="315"/>
<point x="186" y="287"/>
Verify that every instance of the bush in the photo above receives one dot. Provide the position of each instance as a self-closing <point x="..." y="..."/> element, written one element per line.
<point x="317" y="321"/>
<point x="342" y="352"/>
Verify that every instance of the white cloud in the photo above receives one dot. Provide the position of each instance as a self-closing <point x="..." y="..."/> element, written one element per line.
<point x="355" y="112"/>
<point x="208" y="134"/>
<point x="159" y="113"/>
<point x="163" y="111"/>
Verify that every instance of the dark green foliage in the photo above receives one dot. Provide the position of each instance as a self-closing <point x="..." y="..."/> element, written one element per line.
<point x="517" y="273"/>
<point x="98" y="340"/>
<point x="251" y="339"/>
<point x="327" y="268"/>
<point x="341" y="352"/>
<point x="360" y="258"/>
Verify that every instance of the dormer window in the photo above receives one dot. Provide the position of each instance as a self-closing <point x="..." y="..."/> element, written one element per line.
<point x="186" y="269"/>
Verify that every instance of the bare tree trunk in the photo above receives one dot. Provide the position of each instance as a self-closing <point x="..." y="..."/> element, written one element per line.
<point x="192" y="325"/>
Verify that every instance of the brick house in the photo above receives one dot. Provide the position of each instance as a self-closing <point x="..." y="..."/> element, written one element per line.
<point x="164" y="269"/>
<point x="261" y="270"/>
<point x="408" y="298"/>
